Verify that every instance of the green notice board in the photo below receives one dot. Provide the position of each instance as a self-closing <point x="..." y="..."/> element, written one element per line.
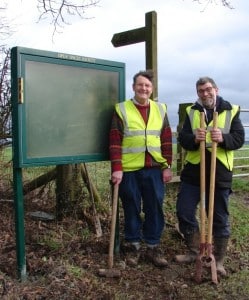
<point x="62" y="106"/>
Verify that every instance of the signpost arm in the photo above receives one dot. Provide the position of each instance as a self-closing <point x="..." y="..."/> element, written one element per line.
<point x="129" y="37"/>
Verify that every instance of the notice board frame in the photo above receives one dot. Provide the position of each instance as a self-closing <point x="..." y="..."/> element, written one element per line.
<point x="101" y="84"/>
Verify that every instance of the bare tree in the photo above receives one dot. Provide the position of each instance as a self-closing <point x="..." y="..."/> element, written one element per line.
<point x="5" y="28"/>
<point x="226" y="3"/>
<point x="59" y="11"/>
<point x="222" y="2"/>
<point x="5" y="106"/>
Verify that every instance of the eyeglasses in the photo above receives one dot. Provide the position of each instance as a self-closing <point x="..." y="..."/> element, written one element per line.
<point x="202" y="91"/>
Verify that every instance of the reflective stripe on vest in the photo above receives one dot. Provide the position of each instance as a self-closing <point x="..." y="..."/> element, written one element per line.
<point x="138" y="137"/>
<point x="224" y="124"/>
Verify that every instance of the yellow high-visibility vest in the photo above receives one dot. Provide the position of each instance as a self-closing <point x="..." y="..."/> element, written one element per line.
<point x="138" y="137"/>
<point x="224" y="124"/>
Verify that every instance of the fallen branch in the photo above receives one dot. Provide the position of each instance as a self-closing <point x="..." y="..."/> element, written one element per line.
<point x="39" y="181"/>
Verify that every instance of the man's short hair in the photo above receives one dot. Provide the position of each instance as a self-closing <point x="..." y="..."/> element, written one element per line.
<point x="147" y="73"/>
<point x="204" y="80"/>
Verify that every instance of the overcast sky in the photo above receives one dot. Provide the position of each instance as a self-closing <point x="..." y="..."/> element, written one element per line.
<point x="191" y="43"/>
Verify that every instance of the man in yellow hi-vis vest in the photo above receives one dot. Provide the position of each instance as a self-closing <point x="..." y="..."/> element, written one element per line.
<point x="141" y="156"/>
<point x="229" y="136"/>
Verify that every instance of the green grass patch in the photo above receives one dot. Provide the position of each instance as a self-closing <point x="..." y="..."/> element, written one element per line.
<point x="236" y="286"/>
<point x="240" y="184"/>
<point x="239" y="222"/>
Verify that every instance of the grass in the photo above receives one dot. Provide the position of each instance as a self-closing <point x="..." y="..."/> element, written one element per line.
<point x="240" y="184"/>
<point x="239" y="222"/>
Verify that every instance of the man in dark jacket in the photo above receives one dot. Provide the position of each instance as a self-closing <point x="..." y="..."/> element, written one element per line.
<point x="229" y="136"/>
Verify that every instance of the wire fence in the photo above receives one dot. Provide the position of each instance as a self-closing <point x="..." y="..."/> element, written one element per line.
<point x="241" y="156"/>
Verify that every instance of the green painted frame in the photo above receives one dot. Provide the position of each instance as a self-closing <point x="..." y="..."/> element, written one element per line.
<point x="62" y="106"/>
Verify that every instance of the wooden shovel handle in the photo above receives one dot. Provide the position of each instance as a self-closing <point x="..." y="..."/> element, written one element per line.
<point x="202" y="182"/>
<point x="212" y="183"/>
<point x="113" y="225"/>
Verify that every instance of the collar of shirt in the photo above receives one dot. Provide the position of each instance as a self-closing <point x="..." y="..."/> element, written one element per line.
<point x="137" y="103"/>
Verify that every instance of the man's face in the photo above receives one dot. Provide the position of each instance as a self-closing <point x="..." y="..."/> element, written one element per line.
<point x="207" y="94"/>
<point x="142" y="89"/>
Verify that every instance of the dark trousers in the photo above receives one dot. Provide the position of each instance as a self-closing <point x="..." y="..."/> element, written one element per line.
<point x="143" y="191"/>
<point x="186" y="207"/>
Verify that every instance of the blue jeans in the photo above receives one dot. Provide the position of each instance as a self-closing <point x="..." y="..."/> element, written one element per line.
<point x="186" y="206"/>
<point x="143" y="190"/>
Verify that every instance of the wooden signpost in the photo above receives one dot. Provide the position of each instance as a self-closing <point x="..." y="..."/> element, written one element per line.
<point x="147" y="34"/>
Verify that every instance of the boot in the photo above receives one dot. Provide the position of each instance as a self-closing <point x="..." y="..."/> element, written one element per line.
<point x="220" y="248"/>
<point x="154" y="254"/>
<point x="192" y="241"/>
<point x="132" y="253"/>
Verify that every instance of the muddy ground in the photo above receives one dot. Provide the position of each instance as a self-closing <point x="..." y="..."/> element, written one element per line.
<point x="63" y="260"/>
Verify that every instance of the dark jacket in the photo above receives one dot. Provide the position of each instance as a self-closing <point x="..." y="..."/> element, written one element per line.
<point x="232" y="141"/>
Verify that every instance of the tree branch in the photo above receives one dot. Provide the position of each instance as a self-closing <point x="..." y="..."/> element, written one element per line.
<point x="59" y="11"/>
<point x="225" y="3"/>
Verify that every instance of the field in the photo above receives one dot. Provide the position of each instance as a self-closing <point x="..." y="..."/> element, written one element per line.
<point x="63" y="258"/>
